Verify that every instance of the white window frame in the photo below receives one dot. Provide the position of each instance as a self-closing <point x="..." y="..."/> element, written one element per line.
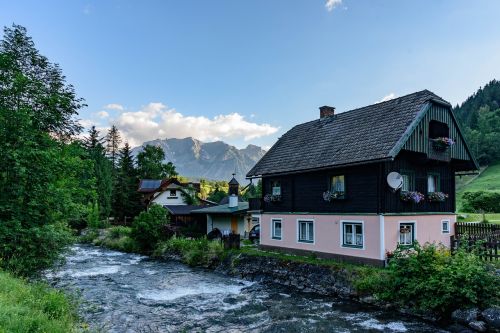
<point x="341" y="234"/>
<point x="280" y="220"/>
<point x="449" y="226"/>
<point x="298" y="231"/>
<point x="414" y="231"/>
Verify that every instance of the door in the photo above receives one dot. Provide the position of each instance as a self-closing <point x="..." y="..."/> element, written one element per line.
<point x="234" y="224"/>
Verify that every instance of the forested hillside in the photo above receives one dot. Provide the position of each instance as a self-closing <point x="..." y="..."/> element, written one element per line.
<point x="479" y="116"/>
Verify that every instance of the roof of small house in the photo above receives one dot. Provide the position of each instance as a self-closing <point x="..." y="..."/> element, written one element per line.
<point x="223" y="209"/>
<point x="368" y="134"/>
<point x="182" y="209"/>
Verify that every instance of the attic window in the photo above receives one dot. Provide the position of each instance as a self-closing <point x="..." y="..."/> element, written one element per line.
<point x="438" y="129"/>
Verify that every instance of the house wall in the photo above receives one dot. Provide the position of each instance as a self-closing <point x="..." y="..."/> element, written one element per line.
<point x="165" y="199"/>
<point x="381" y="234"/>
<point x="223" y="222"/>
<point x="427" y="229"/>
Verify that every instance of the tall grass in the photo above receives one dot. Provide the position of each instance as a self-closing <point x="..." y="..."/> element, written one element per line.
<point x="194" y="252"/>
<point x="26" y="307"/>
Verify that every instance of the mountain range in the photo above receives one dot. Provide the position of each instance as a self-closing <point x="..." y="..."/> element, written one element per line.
<point x="209" y="160"/>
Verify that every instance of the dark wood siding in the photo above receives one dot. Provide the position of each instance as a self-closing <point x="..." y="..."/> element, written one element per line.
<point x="304" y="192"/>
<point x="366" y="188"/>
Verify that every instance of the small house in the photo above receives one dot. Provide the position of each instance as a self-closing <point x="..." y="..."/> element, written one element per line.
<point x="354" y="185"/>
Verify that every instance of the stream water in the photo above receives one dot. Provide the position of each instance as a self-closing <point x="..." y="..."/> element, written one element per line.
<point x="123" y="292"/>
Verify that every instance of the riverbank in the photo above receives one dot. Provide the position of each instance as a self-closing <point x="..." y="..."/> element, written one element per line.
<point x="427" y="286"/>
<point x="35" y="307"/>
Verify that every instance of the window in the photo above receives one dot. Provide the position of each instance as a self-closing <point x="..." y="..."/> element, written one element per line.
<point x="255" y="220"/>
<point x="276" y="229"/>
<point x="445" y="226"/>
<point x="337" y="186"/>
<point x="438" y="129"/>
<point x="408" y="181"/>
<point x="406" y="233"/>
<point x="433" y="181"/>
<point x="173" y="193"/>
<point x="306" y="231"/>
<point x="352" y="234"/>
<point x="276" y="188"/>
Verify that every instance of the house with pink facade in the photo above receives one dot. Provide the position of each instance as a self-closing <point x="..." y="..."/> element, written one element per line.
<point x="354" y="185"/>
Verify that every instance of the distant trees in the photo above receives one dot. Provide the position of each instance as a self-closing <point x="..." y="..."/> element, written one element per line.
<point x="150" y="164"/>
<point x="481" y="202"/>
<point x="126" y="201"/>
<point x="480" y="117"/>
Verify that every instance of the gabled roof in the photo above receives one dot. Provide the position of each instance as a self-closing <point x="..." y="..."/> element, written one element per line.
<point x="182" y="209"/>
<point x="368" y="134"/>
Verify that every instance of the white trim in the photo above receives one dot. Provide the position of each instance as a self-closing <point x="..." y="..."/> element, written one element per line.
<point x="342" y="234"/>
<point x="414" y="229"/>
<point x="272" y="228"/>
<point x="381" y="221"/>
<point x="449" y="227"/>
<point x="314" y="231"/>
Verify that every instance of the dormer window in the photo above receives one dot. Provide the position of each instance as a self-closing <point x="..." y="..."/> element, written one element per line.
<point x="438" y="129"/>
<point x="173" y="193"/>
<point x="275" y="188"/>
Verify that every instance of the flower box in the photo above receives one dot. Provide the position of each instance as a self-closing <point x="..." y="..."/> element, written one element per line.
<point x="333" y="195"/>
<point x="272" y="198"/>
<point x="437" y="197"/>
<point x="412" y="196"/>
<point x="442" y="143"/>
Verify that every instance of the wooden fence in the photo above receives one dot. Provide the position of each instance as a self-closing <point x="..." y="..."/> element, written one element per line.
<point x="481" y="237"/>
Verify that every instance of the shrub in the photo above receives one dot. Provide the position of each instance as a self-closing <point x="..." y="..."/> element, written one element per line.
<point x="148" y="227"/>
<point x="481" y="201"/>
<point x="428" y="278"/>
<point x="119" y="231"/>
<point x="194" y="252"/>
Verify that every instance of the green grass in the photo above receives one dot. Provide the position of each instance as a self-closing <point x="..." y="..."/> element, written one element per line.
<point x="34" y="307"/>
<point x="489" y="180"/>
<point x="472" y="217"/>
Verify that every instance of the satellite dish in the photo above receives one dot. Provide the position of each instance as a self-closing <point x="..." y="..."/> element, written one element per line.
<point x="395" y="181"/>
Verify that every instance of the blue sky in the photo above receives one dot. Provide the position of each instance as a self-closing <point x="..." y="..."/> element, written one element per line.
<point x="247" y="71"/>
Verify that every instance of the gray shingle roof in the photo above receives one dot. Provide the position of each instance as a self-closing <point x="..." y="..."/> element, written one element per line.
<point x="223" y="209"/>
<point x="366" y="134"/>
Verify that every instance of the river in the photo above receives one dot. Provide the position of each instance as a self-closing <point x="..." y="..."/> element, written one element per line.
<point x="123" y="292"/>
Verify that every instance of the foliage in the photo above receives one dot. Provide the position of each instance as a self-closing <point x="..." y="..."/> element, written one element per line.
<point x="480" y="117"/>
<point x="194" y="252"/>
<point x="126" y="199"/>
<point x="428" y="278"/>
<point x="118" y="238"/>
<point x="150" y="164"/>
<point x="437" y="196"/>
<point x="148" y="227"/>
<point x="43" y="176"/>
<point x="113" y="140"/>
<point x="35" y="307"/>
<point x="253" y="191"/>
<point x="488" y="180"/>
<point x="213" y="190"/>
<point x="190" y="196"/>
<point x="481" y="201"/>
<point x="102" y="171"/>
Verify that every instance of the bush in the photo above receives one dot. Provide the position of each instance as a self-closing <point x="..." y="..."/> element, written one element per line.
<point x="34" y="307"/>
<point x="481" y="201"/>
<point x="428" y="278"/>
<point x="119" y="231"/>
<point x="148" y="227"/>
<point x="194" y="252"/>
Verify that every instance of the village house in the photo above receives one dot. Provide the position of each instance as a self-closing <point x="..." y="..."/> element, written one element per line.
<point x="355" y="184"/>
<point x="231" y="215"/>
<point x="173" y="195"/>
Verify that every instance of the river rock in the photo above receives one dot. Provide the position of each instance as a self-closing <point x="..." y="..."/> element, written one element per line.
<point x="479" y="326"/>
<point x="465" y="316"/>
<point x="492" y="317"/>
<point x="457" y="328"/>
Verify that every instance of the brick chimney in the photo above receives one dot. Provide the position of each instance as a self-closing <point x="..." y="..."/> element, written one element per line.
<point x="326" y="111"/>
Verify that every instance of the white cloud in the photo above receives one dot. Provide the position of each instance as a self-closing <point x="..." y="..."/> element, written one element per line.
<point x="86" y="123"/>
<point x="114" y="106"/>
<point x="103" y="114"/>
<point x="332" y="4"/>
<point x="388" y="97"/>
<point x="156" y="120"/>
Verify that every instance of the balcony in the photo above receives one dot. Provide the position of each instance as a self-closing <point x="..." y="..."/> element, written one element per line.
<point x="255" y="204"/>
<point x="439" y="154"/>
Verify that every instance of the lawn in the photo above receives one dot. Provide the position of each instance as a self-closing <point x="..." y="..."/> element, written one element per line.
<point x="471" y="217"/>
<point x="489" y="180"/>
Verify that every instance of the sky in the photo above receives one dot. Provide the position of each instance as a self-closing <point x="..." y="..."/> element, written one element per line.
<point x="247" y="71"/>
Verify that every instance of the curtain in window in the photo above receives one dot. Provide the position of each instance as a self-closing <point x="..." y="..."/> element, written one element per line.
<point x="338" y="183"/>
<point x="431" y="183"/>
<point x="277" y="229"/>
<point x="406" y="183"/>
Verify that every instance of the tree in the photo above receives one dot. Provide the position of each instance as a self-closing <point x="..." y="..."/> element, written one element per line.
<point x="44" y="180"/>
<point x="102" y="171"/>
<point x="113" y="141"/>
<point x="150" y="164"/>
<point x="148" y="227"/>
<point x="126" y="198"/>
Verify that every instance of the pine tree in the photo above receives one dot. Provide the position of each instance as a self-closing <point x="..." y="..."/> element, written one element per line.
<point x="126" y="202"/>
<point x="113" y="141"/>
